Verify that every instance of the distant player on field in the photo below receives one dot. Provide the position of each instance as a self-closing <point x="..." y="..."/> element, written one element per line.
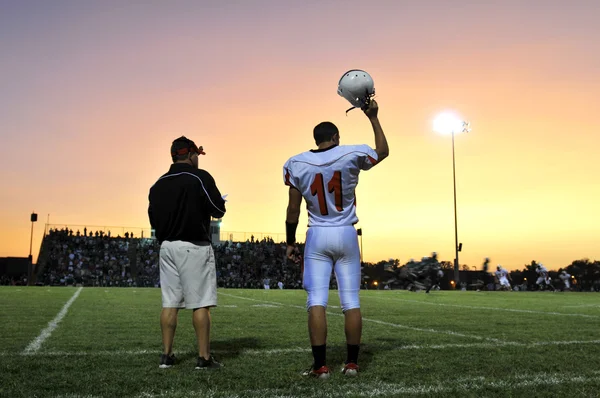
<point x="503" y="277"/>
<point x="433" y="271"/>
<point x="326" y="178"/>
<point x="484" y="280"/>
<point x="543" y="279"/>
<point x="566" y="279"/>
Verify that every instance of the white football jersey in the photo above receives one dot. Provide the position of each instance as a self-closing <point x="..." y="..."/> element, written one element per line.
<point x="542" y="270"/>
<point x="327" y="179"/>
<point x="502" y="273"/>
<point x="565" y="276"/>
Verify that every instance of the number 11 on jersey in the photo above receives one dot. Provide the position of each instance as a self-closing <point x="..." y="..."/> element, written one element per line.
<point x="334" y="186"/>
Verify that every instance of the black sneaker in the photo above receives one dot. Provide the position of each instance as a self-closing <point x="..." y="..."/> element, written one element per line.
<point x="166" y="361"/>
<point x="209" y="363"/>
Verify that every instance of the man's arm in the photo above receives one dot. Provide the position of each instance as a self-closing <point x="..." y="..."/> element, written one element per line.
<point x="213" y="194"/>
<point x="291" y="219"/>
<point x="381" y="145"/>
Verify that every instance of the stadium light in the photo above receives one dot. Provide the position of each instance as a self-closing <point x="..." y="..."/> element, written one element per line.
<point x="448" y="123"/>
<point x="451" y="123"/>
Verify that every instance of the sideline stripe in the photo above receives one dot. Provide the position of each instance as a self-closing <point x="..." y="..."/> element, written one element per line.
<point x="53" y="324"/>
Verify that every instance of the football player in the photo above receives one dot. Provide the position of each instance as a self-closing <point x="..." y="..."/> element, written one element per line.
<point x="566" y="278"/>
<point x="326" y="178"/>
<point x="503" y="277"/>
<point x="543" y="279"/>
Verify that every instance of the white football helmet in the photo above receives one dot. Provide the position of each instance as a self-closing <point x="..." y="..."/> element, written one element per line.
<point x="357" y="87"/>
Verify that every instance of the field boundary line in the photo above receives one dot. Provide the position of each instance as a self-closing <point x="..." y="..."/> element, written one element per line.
<point x="482" y="308"/>
<point x="36" y="343"/>
<point x="396" y="325"/>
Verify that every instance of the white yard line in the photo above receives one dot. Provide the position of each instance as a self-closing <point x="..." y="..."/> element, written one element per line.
<point x="395" y="325"/>
<point x="35" y="345"/>
<point x="263" y="352"/>
<point x="482" y="308"/>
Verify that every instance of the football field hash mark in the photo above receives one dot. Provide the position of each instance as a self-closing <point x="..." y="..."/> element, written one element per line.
<point x="266" y="305"/>
<point x="53" y="324"/>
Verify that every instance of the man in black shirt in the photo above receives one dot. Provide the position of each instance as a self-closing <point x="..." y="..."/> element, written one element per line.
<point x="182" y="203"/>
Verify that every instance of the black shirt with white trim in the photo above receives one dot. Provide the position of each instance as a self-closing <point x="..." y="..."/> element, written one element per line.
<point x="182" y="203"/>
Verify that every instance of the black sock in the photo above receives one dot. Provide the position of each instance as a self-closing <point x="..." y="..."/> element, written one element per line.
<point x="352" y="353"/>
<point x="320" y="355"/>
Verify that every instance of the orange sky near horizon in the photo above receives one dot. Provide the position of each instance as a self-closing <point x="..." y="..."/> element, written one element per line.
<point x="93" y="95"/>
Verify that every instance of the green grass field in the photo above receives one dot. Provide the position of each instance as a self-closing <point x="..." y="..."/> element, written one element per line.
<point x="488" y="344"/>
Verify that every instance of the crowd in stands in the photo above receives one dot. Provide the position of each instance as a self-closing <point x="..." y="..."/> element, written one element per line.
<point x="88" y="259"/>
<point x="249" y="264"/>
<point x="6" y="280"/>
<point x="97" y="259"/>
<point x="100" y="260"/>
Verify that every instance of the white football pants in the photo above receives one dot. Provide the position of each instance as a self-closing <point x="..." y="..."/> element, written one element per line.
<point x="327" y="248"/>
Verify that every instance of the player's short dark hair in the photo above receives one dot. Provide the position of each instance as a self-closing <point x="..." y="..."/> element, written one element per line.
<point x="324" y="132"/>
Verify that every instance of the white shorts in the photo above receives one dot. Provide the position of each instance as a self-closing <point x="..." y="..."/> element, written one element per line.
<point x="330" y="248"/>
<point x="504" y="282"/>
<point x="188" y="277"/>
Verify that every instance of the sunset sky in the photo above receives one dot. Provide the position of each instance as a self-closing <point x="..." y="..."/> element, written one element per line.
<point x="93" y="93"/>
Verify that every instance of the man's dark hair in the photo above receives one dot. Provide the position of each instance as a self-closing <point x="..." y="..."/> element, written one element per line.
<point x="324" y="132"/>
<point x="181" y="148"/>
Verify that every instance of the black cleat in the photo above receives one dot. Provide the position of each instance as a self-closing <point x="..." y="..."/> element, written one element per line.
<point x="210" y="363"/>
<point x="166" y="361"/>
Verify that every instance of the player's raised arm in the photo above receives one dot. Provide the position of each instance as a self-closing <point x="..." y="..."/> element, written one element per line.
<point x="381" y="145"/>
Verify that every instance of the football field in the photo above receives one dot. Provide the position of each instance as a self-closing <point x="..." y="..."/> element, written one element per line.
<point x="98" y="342"/>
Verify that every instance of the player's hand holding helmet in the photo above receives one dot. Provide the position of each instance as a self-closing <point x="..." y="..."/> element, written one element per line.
<point x="372" y="109"/>
<point x="357" y="87"/>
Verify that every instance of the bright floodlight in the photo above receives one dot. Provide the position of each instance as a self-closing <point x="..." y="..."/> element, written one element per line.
<point x="448" y="123"/>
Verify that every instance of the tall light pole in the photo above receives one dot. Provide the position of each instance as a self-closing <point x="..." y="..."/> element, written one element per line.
<point x="449" y="123"/>
<point x="30" y="265"/>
